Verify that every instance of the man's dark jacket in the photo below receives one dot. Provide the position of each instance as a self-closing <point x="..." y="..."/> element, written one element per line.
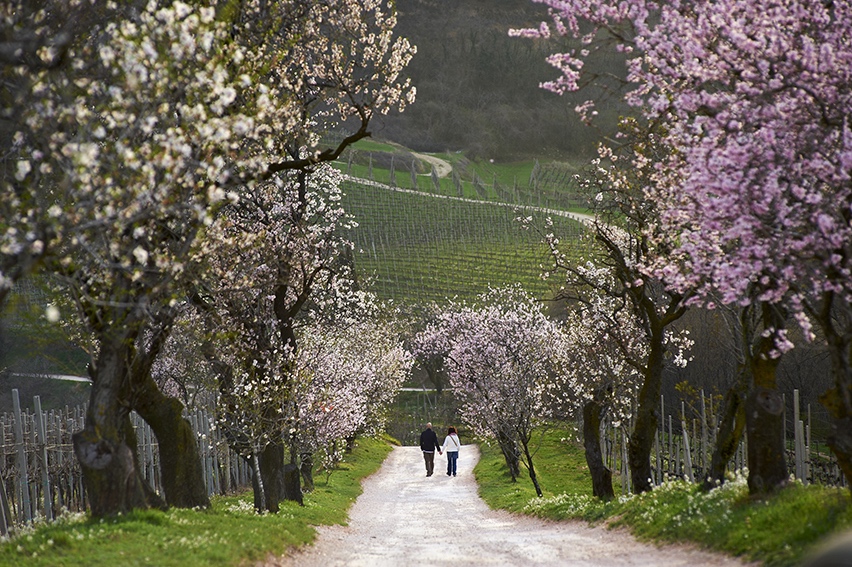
<point x="428" y="441"/>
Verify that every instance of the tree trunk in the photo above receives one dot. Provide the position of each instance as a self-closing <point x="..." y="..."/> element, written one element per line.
<point x="601" y="476"/>
<point x="180" y="461"/>
<point x="767" y="461"/>
<point x="292" y="489"/>
<point x="257" y="484"/>
<point x="838" y="399"/>
<point x="767" y="465"/>
<point x="730" y="432"/>
<point x="106" y="445"/>
<point x="510" y="452"/>
<point x="531" y="469"/>
<point x="306" y="467"/>
<point x="272" y="474"/>
<point x="840" y="441"/>
<point x="645" y="428"/>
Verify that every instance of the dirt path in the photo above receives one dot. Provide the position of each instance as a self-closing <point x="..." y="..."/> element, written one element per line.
<point x="442" y="167"/>
<point x="404" y="518"/>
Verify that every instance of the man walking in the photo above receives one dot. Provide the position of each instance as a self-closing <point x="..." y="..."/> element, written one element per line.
<point x="429" y="444"/>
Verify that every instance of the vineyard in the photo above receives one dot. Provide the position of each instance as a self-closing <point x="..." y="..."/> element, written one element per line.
<point x="421" y="238"/>
<point x="422" y="248"/>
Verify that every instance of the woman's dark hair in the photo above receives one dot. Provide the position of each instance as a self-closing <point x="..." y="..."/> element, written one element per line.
<point x="451" y="430"/>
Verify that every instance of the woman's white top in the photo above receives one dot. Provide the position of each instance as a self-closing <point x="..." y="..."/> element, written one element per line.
<point x="452" y="443"/>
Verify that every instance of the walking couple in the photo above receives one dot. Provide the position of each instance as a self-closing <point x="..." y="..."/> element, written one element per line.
<point x="429" y="444"/>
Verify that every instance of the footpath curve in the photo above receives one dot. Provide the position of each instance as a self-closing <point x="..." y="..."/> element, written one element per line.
<point x="404" y="518"/>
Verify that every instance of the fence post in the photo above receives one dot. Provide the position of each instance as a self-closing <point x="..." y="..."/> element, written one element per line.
<point x="797" y="436"/>
<point x="625" y="472"/>
<point x="704" y="437"/>
<point x="800" y="452"/>
<point x="808" y="446"/>
<point x="45" y="477"/>
<point x="671" y="447"/>
<point x="25" y="511"/>
<point x="5" y="513"/>
<point x="686" y="454"/>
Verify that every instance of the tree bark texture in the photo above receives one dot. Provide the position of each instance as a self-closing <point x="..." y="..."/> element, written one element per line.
<point x="292" y="489"/>
<point x="509" y="448"/>
<point x="180" y="461"/>
<point x="767" y="465"/>
<point x="306" y="467"/>
<point x="767" y="461"/>
<point x="731" y="428"/>
<point x="838" y="399"/>
<point x="647" y="416"/>
<point x="272" y="473"/>
<point x="106" y="447"/>
<point x="601" y="475"/>
<point x="531" y="469"/>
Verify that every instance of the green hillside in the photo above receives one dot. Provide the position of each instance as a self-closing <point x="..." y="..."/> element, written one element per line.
<point x="419" y="248"/>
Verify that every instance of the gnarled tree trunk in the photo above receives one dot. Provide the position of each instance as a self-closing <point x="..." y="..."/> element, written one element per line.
<point x="647" y="416"/>
<point x="306" y="467"/>
<point x="767" y="461"/>
<point x="509" y="448"/>
<point x="106" y="447"/>
<point x="838" y="399"/>
<point x="182" y="475"/>
<point x="272" y="472"/>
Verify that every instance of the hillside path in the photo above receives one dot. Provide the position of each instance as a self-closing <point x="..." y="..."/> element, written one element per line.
<point x="404" y="519"/>
<point x="442" y="167"/>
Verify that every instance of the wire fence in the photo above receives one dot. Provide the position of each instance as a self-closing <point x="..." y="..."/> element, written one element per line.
<point x="684" y="446"/>
<point x="40" y="476"/>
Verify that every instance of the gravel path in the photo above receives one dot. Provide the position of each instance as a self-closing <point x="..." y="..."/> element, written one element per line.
<point x="404" y="518"/>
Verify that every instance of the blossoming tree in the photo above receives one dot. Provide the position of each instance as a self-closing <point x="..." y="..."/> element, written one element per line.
<point x="286" y="239"/>
<point x="755" y="100"/>
<point x="503" y="357"/>
<point x="607" y="348"/>
<point x="125" y="150"/>
<point x="350" y="370"/>
<point x="626" y="235"/>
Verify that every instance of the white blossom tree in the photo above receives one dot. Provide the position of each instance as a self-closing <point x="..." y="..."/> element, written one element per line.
<point x="350" y="371"/>
<point x="607" y="347"/>
<point x="277" y="257"/>
<point x="122" y="181"/>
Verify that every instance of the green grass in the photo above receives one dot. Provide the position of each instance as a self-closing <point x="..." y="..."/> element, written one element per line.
<point x="777" y="531"/>
<point x="548" y="184"/>
<point x="229" y="533"/>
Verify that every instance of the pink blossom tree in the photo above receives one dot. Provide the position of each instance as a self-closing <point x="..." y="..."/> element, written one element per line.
<point x="755" y="102"/>
<point x="625" y="235"/>
<point x="503" y="357"/>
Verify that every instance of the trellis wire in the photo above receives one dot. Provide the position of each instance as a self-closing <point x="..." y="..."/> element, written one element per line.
<point x="687" y="453"/>
<point x="40" y="476"/>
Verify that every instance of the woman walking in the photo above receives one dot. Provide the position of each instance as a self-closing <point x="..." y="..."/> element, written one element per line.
<point x="451" y="447"/>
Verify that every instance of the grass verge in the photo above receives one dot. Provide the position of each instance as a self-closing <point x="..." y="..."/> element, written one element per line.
<point x="229" y="533"/>
<point x="777" y="531"/>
